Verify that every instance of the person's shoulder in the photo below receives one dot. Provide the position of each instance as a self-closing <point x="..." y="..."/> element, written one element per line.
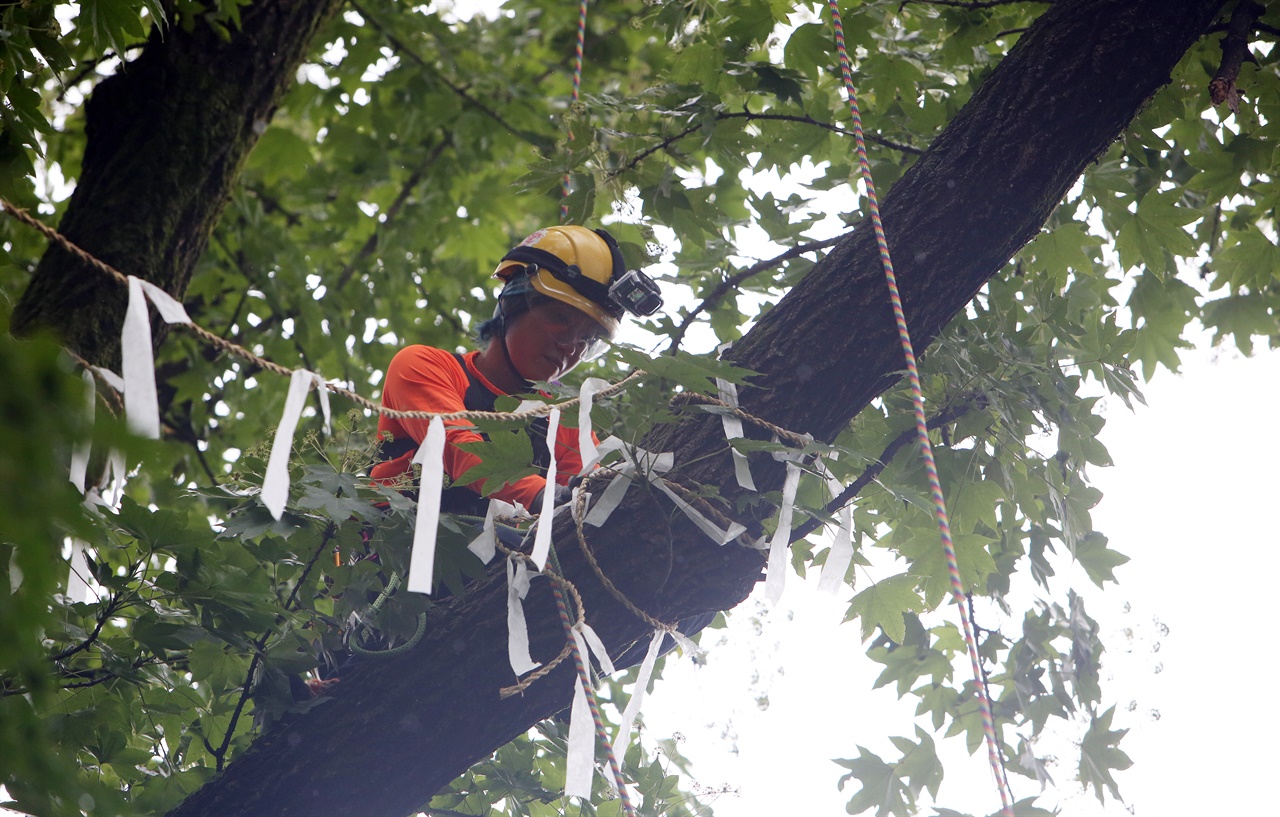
<point x="419" y="357"/>
<point x="418" y="351"/>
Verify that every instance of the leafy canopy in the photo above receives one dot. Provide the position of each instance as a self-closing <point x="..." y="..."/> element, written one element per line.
<point x="414" y="149"/>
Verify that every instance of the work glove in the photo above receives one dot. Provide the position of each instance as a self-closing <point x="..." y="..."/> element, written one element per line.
<point x="562" y="496"/>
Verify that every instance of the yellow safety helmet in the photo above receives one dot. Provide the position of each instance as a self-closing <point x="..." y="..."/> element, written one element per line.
<point x="570" y="264"/>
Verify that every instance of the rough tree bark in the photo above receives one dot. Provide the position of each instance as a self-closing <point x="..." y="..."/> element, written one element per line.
<point x="140" y="204"/>
<point x="397" y="731"/>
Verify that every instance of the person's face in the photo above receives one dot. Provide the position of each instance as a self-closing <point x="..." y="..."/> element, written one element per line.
<point x="548" y="340"/>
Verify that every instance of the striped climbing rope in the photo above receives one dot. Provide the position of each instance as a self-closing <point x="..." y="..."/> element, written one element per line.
<point x="579" y="660"/>
<point x="573" y="103"/>
<point x="922" y="426"/>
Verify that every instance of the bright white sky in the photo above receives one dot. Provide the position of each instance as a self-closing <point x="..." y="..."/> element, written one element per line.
<point x="1189" y="500"/>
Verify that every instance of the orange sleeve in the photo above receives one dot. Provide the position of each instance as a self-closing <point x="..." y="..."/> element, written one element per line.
<point x="422" y="378"/>
<point x="568" y="457"/>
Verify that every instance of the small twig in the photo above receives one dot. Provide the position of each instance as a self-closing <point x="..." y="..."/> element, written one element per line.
<point x="737" y="278"/>
<point x="445" y="315"/>
<point x="975" y="5"/>
<point x="247" y="689"/>
<point x="1235" y="50"/>
<point x="665" y="144"/>
<point x="109" y="676"/>
<point x="873" y="470"/>
<point x="986" y="687"/>
<point x="271" y="204"/>
<point x="406" y="190"/>
<point x="107" y="612"/>
<point x="89" y="66"/>
<point x="400" y="46"/>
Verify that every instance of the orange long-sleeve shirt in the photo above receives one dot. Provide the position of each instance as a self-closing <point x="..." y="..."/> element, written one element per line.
<point x="423" y="378"/>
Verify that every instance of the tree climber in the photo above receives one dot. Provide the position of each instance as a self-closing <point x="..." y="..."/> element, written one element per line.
<point x="565" y="290"/>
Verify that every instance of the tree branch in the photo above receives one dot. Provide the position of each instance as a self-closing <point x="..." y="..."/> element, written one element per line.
<point x="976" y="5"/>
<point x="1235" y="50"/>
<point x="406" y="190"/>
<point x="737" y="278"/>
<point x="947" y="415"/>
<point x="107" y="612"/>
<point x="247" y="689"/>
<point x="749" y="116"/>
<point x="403" y="48"/>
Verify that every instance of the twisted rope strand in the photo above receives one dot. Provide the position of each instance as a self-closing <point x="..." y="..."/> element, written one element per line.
<point x="528" y="680"/>
<point x="579" y="514"/>
<point x="584" y="678"/>
<point x="922" y="428"/>
<point x="239" y="351"/>
<point x="789" y="437"/>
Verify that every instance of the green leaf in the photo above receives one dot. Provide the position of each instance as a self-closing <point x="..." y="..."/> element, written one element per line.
<point x="1100" y="755"/>
<point x="880" y="788"/>
<point x="504" y="458"/>
<point x="113" y="24"/>
<point x="929" y="562"/>
<point x="693" y="372"/>
<point x="1097" y="559"/>
<point x="210" y="662"/>
<point x="883" y="605"/>
<point x="1164" y="307"/>
<point x="1063" y="249"/>
<point x="1156" y="228"/>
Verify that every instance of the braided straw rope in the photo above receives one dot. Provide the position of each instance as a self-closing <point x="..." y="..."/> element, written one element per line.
<point x="239" y="351"/>
<point x="579" y="514"/>
<point x="789" y="437"/>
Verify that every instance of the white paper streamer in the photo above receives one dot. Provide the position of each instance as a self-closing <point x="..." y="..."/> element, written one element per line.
<point x="650" y="465"/>
<point x="485" y="546"/>
<point x="137" y="365"/>
<point x="776" y="577"/>
<point x="422" y="558"/>
<point x="15" y="572"/>
<point x="686" y="643"/>
<point x="517" y="630"/>
<point x="586" y="398"/>
<point x="711" y="529"/>
<point x="166" y="306"/>
<point x="80" y="454"/>
<point x="78" y="588"/>
<point x="137" y="361"/>
<point x="116" y="476"/>
<point x="841" y="553"/>
<point x="597" y="648"/>
<point x="275" y="485"/>
<point x="617" y="489"/>
<point x="641" y="688"/>
<point x="323" y="391"/>
<point x="733" y="431"/>
<point x="542" y="540"/>
<point x="580" y="763"/>
<point x="114" y="380"/>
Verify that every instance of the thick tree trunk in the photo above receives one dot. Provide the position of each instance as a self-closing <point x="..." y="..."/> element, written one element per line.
<point x="399" y="730"/>
<point x="167" y="136"/>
